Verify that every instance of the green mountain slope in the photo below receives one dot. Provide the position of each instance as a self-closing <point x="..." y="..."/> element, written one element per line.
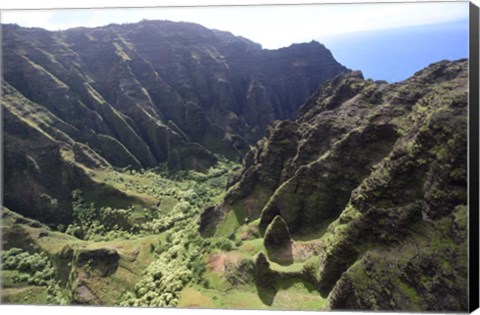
<point x="370" y="182"/>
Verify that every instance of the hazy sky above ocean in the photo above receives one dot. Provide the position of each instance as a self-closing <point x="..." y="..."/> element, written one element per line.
<point x="386" y="41"/>
<point x="396" y="54"/>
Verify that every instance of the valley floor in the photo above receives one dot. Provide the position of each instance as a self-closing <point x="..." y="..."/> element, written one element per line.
<point x="144" y="256"/>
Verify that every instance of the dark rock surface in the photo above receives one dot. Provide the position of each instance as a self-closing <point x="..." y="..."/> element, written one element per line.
<point x="161" y="92"/>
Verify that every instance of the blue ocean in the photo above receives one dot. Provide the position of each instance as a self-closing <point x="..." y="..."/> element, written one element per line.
<point x="396" y="54"/>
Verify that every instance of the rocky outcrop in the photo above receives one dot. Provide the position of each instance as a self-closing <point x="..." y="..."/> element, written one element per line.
<point x="383" y="167"/>
<point x="277" y="234"/>
<point x="277" y="241"/>
<point x="265" y="279"/>
<point x="79" y="268"/>
<point x="427" y="270"/>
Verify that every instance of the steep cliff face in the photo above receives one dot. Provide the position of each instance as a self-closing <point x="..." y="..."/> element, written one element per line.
<point x="159" y="91"/>
<point x="373" y="176"/>
<point x="139" y="95"/>
<point x="43" y="164"/>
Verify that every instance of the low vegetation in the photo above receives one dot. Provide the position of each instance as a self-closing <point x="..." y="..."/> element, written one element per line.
<point x="23" y="269"/>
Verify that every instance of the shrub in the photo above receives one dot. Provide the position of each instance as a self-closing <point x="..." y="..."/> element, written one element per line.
<point x="224" y="244"/>
<point x="34" y="269"/>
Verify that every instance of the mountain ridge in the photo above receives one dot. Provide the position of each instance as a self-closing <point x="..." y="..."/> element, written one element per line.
<point x="373" y="165"/>
<point x="163" y="69"/>
<point x="148" y="94"/>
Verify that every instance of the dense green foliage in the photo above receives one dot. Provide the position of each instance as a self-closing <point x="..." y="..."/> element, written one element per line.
<point x="33" y="269"/>
<point x="104" y="223"/>
<point x="182" y="195"/>
<point x="180" y="259"/>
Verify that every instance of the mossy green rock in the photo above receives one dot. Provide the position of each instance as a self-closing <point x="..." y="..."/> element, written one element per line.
<point x="265" y="277"/>
<point x="427" y="271"/>
<point x="277" y="234"/>
<point x="277" y="241"/>
<point x="380" y="170"/>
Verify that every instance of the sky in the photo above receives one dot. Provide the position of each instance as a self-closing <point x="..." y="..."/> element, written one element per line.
<point x="360" y="36"/>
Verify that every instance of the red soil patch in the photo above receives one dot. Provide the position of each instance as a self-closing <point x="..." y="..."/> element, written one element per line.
<point x="216" y="263"/>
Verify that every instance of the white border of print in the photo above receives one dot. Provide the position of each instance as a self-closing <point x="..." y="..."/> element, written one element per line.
<point x="80" y="310"/>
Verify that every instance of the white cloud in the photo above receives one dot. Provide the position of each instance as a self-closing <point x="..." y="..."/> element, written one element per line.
<point x="272" y="26"/>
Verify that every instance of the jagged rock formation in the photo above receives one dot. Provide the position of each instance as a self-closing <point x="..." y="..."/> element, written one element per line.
<point x="138" y="96"/>
<point x="383" y="166"/>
